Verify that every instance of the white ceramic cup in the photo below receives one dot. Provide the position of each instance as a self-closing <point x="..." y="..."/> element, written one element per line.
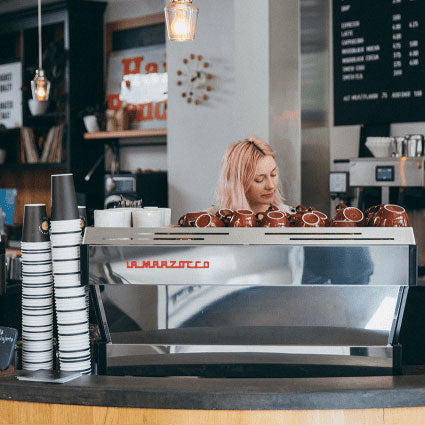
<point x="38" y="107"/>
<point x="147" y="217"/>
<point x="91" y="124"/>
<point x="165" y="215"/>
<point x="112" y="218"/>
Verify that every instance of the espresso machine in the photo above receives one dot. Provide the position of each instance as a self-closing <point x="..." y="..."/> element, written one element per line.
<point x="363" y="182"/>
<point x="257" y="302"/>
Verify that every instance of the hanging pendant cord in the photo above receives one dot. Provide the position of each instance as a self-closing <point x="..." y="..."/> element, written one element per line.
<point x="40" y="65"/>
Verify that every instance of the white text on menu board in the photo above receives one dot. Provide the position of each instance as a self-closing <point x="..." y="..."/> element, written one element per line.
<point x="356" y="52"/>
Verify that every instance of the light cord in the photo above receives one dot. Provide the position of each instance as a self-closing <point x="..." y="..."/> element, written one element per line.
<point x="40" y="65"/>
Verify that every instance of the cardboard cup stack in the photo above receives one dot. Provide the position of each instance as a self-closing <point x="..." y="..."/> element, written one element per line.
<point x="37" y="290"/>
<point x="70" y="295"/>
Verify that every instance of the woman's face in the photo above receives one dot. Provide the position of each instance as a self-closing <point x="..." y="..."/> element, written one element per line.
<point x="262" y="189"/>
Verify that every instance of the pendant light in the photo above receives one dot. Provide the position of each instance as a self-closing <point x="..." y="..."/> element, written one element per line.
<point x="181" y="18"/>
<point x="40" y="85"/>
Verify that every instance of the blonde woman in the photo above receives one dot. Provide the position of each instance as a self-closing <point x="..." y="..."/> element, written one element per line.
<point x="249" y="178"/>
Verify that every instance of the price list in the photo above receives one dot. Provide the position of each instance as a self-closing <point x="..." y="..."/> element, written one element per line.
<point x="378" y="61"/>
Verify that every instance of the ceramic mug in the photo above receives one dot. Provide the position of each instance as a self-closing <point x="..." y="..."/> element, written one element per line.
<point x="273" y="219"/>
<point x="390" y="215"/>
<point x="146" y="218"/>
<point x="324" y="220"/>
<point x="243" y="218"/>
<point x="308" y="219"/>
<point x="188" y="220"/>
<point x="112" y="218"/>
<point x="208" y="220"/>
<point x="225" y="215"/>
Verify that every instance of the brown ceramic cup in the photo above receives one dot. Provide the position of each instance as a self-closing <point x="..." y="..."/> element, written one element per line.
<point x="324" y="220"/>
<point x="188" y="220"/>
<point x="353" y="214"/>
<point x="339" y="216"/>
<point x="390" y="215"/>
<point x="208" y="220"/>
<point x="225" y="215"/>
<point x="273" y="219"/>
<point x="243" y="218"/>
<point x="308" y="219"/>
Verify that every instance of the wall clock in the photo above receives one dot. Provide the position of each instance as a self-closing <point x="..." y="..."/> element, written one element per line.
<point x="194" y="79"/>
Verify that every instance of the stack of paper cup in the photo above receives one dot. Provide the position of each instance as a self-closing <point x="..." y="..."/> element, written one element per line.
<point x="70" y="295"/>
<point x="37" y="290"/>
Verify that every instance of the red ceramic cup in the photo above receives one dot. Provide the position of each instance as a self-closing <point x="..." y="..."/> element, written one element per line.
<point x="188" y="220"/>
<point x="243" y="218"/>
<point x="208" y="220"/>
<point x="308" y="219"/>
<point x="324" y="220"/>
<point x="225" y="215"/>
<point x="390" y="215"/>
<point x="273" y="219"/>
<point x="353" y="214"/>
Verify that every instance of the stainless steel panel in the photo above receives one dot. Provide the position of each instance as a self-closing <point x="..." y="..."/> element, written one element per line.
<point x="342" y="315"/>
<point x="289" y="236"/>
<point x="407" y="172"/>
<point x="253" y="265"/>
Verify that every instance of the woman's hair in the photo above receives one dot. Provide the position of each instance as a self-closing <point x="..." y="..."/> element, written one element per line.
<point x="238" y="167"/>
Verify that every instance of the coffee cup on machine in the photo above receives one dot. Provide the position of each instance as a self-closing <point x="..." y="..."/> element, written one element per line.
<point x="188" y="220"/>
<point x="112" y="218"/>
<point x="143" y="217"/>
<point x="390" y="215"/>
<point x="243" y="218"/>
<point x="273" y="219"/>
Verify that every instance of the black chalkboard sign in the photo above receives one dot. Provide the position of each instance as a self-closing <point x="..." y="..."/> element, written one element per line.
<point x="379" y="61"/>
<point x="7" y="346"/>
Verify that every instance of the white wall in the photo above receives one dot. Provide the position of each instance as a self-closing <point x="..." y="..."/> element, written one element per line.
<point x="198" y="135"/>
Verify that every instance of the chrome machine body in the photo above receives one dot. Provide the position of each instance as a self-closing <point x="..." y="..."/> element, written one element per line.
<point x="249" y="302"/>
<point x="386" y="173"/>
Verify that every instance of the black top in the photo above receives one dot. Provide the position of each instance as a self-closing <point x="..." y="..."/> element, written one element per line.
<point x="224" y="394"/>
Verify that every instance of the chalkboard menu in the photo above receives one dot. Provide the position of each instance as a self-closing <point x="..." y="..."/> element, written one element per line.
<point x="379" y="61"/>
<point x="7" y="346"/>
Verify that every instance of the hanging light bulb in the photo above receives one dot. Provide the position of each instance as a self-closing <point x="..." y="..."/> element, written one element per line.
<point x="181" y="18"/>
<point x="40" y="85"/>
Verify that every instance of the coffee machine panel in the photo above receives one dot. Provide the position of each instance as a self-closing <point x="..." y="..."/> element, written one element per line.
<point x="150" y="187"/>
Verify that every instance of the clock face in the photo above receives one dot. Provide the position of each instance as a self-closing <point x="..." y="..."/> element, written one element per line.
<point x="194" y="79"/>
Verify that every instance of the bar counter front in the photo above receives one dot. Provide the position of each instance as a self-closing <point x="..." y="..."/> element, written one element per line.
<point x="228" y="325"/>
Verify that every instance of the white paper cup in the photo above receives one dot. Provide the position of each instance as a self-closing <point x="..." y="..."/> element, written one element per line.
<point x="65" y="225"/>
<point x="66" y="253"/>
<point x="69" y="240"/>
<point x="66" y="267"/>
<point x="147" y="217"/>
<point x="42" y="280"/>
<point x="35" y="245"/>
<point x="112" y="218"/>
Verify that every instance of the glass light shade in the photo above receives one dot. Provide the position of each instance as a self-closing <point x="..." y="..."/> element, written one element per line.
<point x="181" y="18"/>
<point x="40" y="86"/>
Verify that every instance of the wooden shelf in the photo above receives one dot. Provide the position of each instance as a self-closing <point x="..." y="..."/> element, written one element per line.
<point x="125" y="134"/>
<point x="34" y="165"/>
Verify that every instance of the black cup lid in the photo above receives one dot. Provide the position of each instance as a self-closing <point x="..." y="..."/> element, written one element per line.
<point x="36" y="224"/>
<point x="64" y="199"/>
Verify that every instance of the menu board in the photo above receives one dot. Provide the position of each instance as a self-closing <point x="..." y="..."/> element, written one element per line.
<point x="379" y="61"/>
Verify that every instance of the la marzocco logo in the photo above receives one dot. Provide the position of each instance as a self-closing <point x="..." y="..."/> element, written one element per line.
<point x="168" y="264"/>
